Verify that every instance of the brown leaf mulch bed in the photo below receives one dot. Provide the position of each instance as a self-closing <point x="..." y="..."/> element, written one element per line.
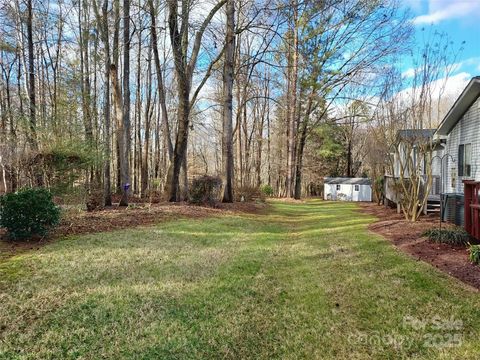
<point x="114" y="218"/>
<point x="407" y="236"/>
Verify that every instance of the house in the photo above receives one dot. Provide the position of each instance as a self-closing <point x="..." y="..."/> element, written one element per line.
<point x="409" y="143"/>
<point x="461" y="130"/>
<point x="347" y="189"/>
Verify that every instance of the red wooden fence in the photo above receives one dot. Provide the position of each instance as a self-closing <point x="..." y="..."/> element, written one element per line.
<point x="472" y="207"/>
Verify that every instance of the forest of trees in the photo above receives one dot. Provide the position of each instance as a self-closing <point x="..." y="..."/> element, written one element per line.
<point x="137" y="97"/>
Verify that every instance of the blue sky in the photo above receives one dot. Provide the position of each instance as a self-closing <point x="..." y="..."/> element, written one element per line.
<point x="460" y="19"/>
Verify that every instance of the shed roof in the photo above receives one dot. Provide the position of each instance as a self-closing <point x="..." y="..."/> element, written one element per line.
<point x="415" y="134"/>
<point x="468" y="96"/>
<point x="347" y="181"/>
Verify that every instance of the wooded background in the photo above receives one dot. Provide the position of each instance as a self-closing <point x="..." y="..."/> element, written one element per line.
<point x="140" y="96"/>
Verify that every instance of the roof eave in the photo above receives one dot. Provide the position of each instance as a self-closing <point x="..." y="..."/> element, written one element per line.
<point x="468" y="96"/>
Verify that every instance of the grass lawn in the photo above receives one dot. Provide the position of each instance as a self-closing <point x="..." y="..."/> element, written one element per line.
<point x="302" y="281"/>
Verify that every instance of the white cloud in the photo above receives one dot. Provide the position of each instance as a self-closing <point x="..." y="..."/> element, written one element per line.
<point x="456" y="83"/>
<point x="439" y="10"/>
<point x="443" y="93"/>
<point x="462" y="67"/>
<point x="444" y="87"/>
<point x="408" y="73"/>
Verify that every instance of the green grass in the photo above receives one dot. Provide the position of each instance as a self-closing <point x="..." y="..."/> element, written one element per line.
<point x="303" y="281"/>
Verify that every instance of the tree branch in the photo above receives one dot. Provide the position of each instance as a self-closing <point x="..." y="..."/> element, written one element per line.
<point x="199" y="36"/>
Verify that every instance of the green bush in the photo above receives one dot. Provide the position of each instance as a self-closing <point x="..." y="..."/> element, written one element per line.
<point x="474" y="251"/>
<point x="205" y="190"/>
<point x="267" y="190"/>
<point x="28" y="212"/>
<point x="452" y="236"/>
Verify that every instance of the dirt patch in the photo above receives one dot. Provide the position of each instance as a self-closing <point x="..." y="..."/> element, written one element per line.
<point x="407" y="236"/>
<point x="114" y="218"/>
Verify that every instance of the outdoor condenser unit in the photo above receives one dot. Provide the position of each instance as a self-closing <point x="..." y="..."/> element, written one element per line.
<point x="453" y="210"/>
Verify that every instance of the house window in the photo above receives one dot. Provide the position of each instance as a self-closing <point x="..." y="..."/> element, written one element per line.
<point x="338" y="187"/>
<point x="357" y="187"/>
<point x="465" y="160"/>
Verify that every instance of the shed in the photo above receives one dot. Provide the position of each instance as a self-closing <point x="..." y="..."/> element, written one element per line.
<point x="347" y="189"/>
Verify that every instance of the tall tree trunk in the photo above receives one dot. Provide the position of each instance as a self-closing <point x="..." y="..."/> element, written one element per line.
<point x="137" y="146"/>
<point x="115" y="61"/>
<point x="184" y="70"/>
<point x="8" y="115"/>
<point x="301" y="147"/>
<point x="227" y="148"/>
<point x="102" y="23"/>
<point x="160" y="84"/>
<point x="179" y="45"/>
<point x="238" y="131"/>
<point x="107" y="186"/>
<point x="32" y="136"/>
<point x="299" y="162"/>
<point x="292" y="104"/>
<point x="148" y="116"/>
<point x="246" y="150"/>
<point x="31" y="79"/>
<point x="269" y="170"/>
<point x="85" y="70"/>
<point x="349" y="158"/>
<point x="121" y="138"/>
<point x="125" y="151"/>
<point x="83" y="21"/>
<point x="183" y="115"/>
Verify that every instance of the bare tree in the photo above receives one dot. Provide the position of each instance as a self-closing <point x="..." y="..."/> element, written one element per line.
<point x="102" y="23"/>
<point x="184" y="69"/>
<point x="125" y="149"/>
<point x="31" y="81"/>
<point x="148" y="120"/>
<point x="160" y="82"/>
<point x="228" y="102"/>
<point x="292" y="105"/>
<point x="371" y="37"/>
<point x="411" y="109"/>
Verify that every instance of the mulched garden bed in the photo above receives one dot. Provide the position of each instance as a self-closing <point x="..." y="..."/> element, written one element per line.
<point x="407" y="236"/>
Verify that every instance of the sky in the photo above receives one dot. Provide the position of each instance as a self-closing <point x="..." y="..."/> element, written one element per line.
<point x="460" y="19"/>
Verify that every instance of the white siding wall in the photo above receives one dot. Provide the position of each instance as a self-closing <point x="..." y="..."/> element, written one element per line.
<point x="330" y="192"/>
<point x="364" y="193"/>
<point x="436" y="167"/>
<point x="347" y="192"/>
<point x="436" y="162"/>
<point x="466" y="131"/>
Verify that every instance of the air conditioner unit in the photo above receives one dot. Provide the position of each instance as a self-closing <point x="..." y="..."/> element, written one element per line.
<point x="453" y="208"/>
